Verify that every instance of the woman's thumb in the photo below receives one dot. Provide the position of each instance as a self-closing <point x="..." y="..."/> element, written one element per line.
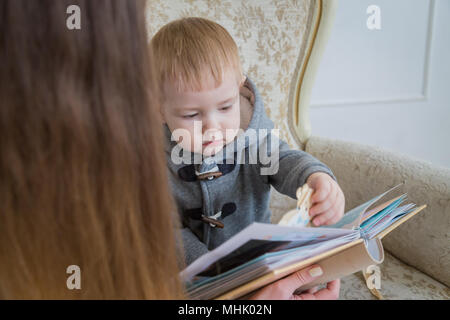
<point x="302" y="277"/>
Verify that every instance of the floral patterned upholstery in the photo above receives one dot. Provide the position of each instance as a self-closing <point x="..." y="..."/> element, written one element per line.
<point x="271" y="36"/>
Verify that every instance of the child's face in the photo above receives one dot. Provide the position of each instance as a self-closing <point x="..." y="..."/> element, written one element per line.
<point x="208" y="119"/>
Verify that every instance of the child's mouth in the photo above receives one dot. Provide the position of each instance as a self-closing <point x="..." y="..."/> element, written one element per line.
<point x="210" y="143"/>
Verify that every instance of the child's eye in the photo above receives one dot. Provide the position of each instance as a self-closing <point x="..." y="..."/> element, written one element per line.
<point x="190" y="115"/>
<point x="225" y="108"/>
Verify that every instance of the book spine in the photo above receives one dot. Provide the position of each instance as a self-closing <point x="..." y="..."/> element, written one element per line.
<point x="349" y="261"/>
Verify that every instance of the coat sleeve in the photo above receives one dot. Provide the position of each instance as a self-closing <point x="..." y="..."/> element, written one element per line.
<point x="291" y="168"/>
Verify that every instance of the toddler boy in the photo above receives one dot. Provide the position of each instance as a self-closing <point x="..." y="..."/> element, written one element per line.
<point x="215" y="117"/>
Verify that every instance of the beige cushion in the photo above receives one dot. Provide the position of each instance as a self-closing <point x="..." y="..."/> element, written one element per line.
<point x="398" y="281"/>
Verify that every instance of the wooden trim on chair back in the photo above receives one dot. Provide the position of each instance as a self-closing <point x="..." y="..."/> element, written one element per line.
<point x="320" y="21"/>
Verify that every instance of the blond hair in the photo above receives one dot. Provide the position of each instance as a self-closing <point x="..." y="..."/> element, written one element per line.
<point x="81" y="162"/>
<point x="189" y="50"/>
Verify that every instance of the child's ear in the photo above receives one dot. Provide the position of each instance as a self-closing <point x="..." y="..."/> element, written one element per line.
<point x="241" y="84"/>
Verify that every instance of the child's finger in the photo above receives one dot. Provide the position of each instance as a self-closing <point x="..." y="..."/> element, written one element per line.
<point x="323" y="206"/>
<point x="338" y="214"/>
<point x="322" y="217"/>
<point x="321" y="190"/>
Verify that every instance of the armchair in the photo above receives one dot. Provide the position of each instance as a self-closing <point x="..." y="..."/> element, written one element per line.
<point x="281" y="43"/>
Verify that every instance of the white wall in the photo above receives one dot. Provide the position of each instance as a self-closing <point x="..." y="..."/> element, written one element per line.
<point x="388" y="87"/>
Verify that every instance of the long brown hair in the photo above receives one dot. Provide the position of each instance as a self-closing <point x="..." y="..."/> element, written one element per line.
<point x="82" y="174"/>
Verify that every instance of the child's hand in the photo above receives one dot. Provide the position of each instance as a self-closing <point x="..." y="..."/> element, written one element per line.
<point x="327" y="200"/>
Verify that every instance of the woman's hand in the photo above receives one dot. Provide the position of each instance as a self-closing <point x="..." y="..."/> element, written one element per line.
<point x="327" y="201"/>
<point x="284" y="289"/>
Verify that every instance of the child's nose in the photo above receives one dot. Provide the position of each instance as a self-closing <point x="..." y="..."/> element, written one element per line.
<point x="210" y="123"/>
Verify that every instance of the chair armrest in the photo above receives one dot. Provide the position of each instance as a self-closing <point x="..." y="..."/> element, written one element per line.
<point x="365" y="171"/>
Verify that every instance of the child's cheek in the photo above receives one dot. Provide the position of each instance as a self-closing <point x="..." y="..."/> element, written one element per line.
<point x="186" y="136"/>
<point x="234" y="123"/>
<point x="196" y="138"/>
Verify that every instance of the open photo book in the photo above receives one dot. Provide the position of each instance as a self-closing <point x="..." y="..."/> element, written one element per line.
<point x="263" y="253"/>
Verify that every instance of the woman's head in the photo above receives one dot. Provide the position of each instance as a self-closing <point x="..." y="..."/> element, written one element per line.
<point x="83" y="180"/>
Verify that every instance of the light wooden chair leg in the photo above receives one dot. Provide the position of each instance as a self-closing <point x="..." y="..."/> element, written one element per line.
<point x="374" y="291"/>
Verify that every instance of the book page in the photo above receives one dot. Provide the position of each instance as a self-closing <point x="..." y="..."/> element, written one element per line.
<point x="353" y="218"/>
<point x="261" y="231"/>
<point x="210" y="286"/>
